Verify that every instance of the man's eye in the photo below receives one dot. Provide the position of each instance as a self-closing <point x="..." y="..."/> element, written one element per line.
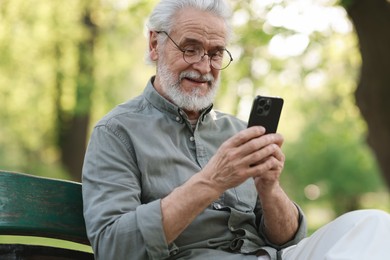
<point x="218" y="54"/>
<point x="191" y="51"/>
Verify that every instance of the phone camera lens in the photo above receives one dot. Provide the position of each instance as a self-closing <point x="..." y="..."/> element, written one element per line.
<point x="260" y="110"/>
<point x="262" y="102"/>
<point x="264" y="106"/>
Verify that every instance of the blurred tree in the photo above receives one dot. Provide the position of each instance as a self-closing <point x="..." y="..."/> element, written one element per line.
<point x="323" y="129"/>
<point x="73" y="125"/>
<point x="63" y="64"/>
<point x="26" y="133"/>
<point x="331" y="155"/>
<point x="371" y="19"/>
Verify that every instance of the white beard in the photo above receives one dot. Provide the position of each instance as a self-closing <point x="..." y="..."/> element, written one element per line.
<point x="193" y="101"/>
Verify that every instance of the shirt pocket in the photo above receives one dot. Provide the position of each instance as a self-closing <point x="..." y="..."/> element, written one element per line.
<point x="242" y="197"/>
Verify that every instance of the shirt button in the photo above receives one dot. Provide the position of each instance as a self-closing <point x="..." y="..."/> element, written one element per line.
<point x="217" y="206"/>
<point x="178" y="119"/>
<point x="192" y="138"/>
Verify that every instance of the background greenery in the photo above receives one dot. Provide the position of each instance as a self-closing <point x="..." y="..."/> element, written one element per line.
<point x="64" y="64"/>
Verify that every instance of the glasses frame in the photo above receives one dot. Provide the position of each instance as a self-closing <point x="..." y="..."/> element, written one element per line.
<point x="201" y="58"/>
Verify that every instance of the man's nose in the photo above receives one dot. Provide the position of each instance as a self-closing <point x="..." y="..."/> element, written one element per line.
<point x="204" y="65"/>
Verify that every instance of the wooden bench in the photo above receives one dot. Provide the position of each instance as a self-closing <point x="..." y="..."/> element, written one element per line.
<point x="41" y="207"/>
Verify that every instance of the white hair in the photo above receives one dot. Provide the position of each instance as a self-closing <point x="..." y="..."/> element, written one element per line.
<point x="162" y="17"/>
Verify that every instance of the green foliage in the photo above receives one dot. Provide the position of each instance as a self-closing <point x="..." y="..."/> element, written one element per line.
<point x="332" y="155"/>
<point x="346" y="3"/>
<point x="39" y="73"/>
<point x="330" y="151"/>
<point x="324" y="134"/>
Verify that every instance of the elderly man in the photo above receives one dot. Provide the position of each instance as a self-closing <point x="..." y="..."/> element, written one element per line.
<point x="167" y="177"/>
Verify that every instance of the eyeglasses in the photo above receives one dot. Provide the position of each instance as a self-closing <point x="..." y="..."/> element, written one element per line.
<point x="219" y="59"/>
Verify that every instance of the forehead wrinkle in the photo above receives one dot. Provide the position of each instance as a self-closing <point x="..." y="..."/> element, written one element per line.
<point x="190" y="40"/>
<point x="204" y="29"/>
<point x="189" y="26"/>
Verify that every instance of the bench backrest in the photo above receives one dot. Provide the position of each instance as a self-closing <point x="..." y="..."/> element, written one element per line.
<point x="42" y="207"/>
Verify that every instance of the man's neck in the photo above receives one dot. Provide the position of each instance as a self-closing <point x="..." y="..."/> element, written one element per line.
<point x="192" y="115"/>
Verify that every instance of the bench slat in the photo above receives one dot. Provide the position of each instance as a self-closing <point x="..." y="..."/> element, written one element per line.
<point x="30" y="252"/>
<point x="37" y="206"/>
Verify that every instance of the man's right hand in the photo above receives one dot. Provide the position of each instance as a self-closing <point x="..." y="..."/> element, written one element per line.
<point x="243" y="156"/>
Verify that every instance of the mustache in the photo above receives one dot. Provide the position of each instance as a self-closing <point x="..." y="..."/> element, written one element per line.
<point x="194" y="75"/>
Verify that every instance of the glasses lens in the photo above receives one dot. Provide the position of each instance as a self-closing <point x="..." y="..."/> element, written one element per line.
<point x="219" y="60"/>
<point x="193" y="55"/>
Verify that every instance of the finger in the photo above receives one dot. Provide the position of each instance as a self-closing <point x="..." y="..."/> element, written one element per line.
<point x="279" y="140"/>
<point x="265" y="140"/>
<point x="279" y="155"/>
<point x="269" y="169"/>
<point x="265" y="169"/>
<point x="244" y="136"/>
<point x="259" y="156"/>
<point x="274" y="139"/>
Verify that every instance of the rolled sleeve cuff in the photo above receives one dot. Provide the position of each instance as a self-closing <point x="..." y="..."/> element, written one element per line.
<point x="149" y="219"/>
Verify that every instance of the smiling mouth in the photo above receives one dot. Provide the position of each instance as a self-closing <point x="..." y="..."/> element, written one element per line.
<point x="199" y="81"/>
<point x="197" y="78"/>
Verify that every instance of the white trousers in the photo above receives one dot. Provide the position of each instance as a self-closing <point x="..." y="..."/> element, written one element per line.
<point x="362" y="234"/>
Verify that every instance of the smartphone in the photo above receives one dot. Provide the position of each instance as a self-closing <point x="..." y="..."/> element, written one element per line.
<point x="266" y="112"/>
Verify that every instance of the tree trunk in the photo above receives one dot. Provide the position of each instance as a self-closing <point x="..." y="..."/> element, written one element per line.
<point x="371" y="19"/>
<point x="73" y="126"/>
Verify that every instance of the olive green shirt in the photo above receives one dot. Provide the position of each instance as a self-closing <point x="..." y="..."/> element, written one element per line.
<point x="138" y="154"/>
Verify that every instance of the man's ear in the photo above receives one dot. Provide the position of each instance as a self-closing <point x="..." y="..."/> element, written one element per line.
<point x="153" y="46"/>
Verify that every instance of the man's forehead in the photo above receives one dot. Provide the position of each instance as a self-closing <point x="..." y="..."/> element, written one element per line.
<point x="194" y="25"/>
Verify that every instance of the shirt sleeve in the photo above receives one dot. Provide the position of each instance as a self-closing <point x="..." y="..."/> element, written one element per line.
<point x="118" y="225"/>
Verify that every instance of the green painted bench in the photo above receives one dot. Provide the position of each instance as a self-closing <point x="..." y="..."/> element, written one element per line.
<point x="32" y="206"/>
